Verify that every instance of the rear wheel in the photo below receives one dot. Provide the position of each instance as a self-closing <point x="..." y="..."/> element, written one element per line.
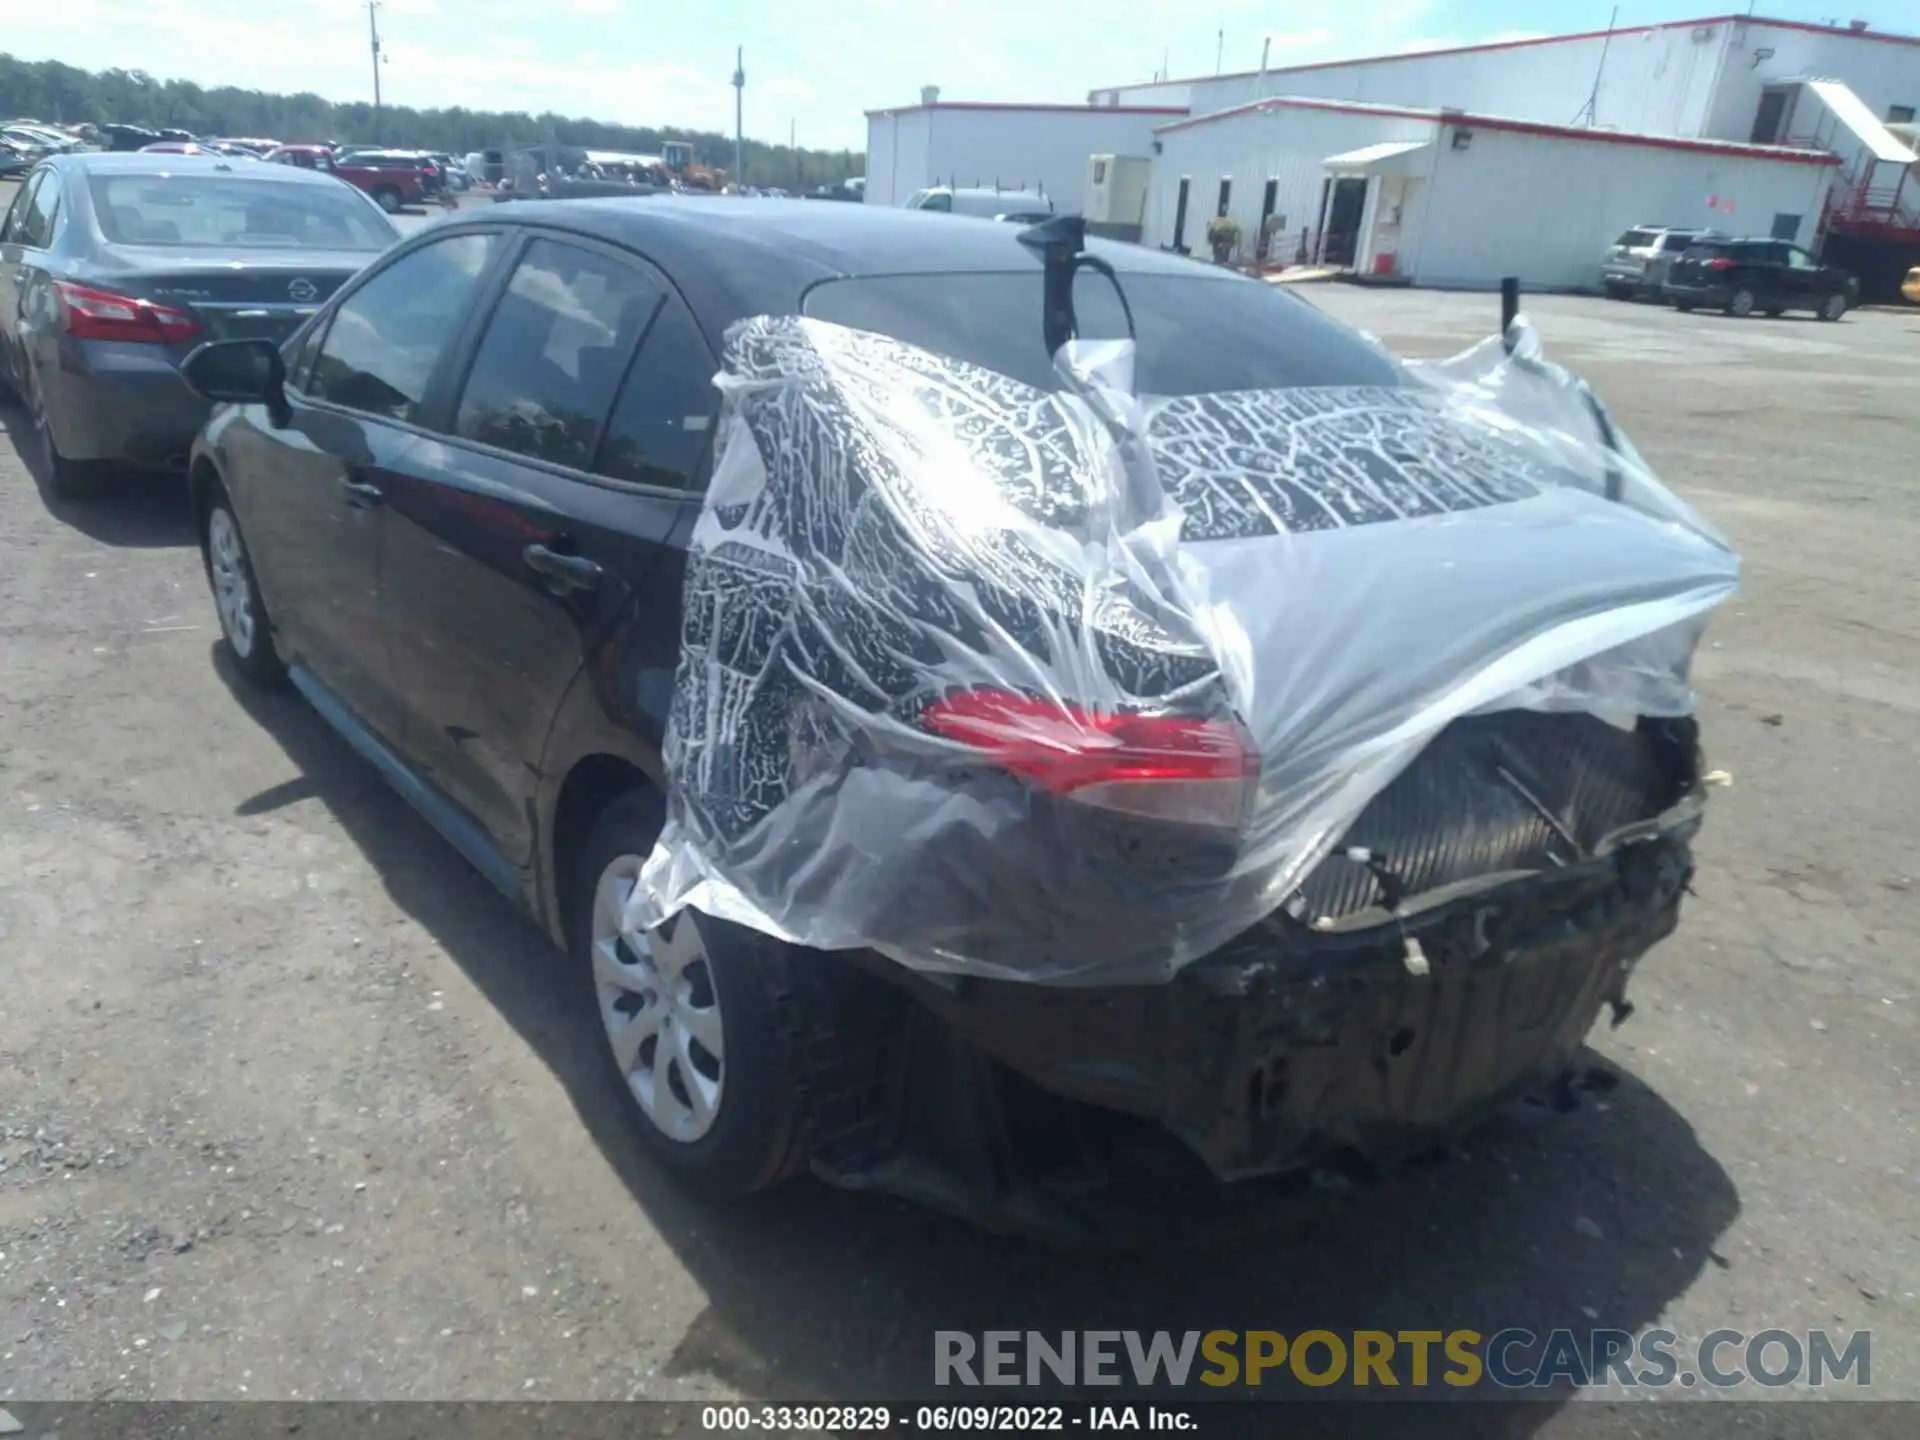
<point x="1741" y="303"/>
<point x="1616" y="291"/>
<point x="692" y="1019"/>
<point x="1685" y="307"/>
<point x="1834" y="306"/>
<point x="236" y="595"/>
<point x="387" y="198"/>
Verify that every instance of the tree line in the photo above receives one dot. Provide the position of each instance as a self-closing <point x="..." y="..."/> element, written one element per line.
<point x="66" y="94"/>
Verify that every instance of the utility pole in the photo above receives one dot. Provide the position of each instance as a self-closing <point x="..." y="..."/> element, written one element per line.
<point x="793" y="129"/>
<point x="373" y="38"/>
<point x="1219" y="49"/>
<point x="739" y="92"/>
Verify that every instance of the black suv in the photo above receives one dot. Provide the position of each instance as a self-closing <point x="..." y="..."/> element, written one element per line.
<point x="1771" y="276"/>
<point x="455" y="510"/>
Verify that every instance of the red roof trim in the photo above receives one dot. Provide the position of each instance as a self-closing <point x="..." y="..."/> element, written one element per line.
<point x="1518" y="127"/>
<point x="1492" y="45"/>
<point x="1007" y="105"/>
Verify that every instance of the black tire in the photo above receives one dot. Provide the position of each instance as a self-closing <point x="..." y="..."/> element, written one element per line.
<point x="1774" y="313"/>
<point x="1742" y="303"/>
<point x="1617" y="291"/>
<point x="1833" y="307"/>
<point x="387" y="198"/>
<point x="1685" y="307"/>
<point x="250" y="648"/>
<point x="757" y="1136"/>
<point x="67" y="479"/>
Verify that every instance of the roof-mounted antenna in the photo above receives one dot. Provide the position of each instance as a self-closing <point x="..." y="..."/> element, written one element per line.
<point x="1061" y="244"/>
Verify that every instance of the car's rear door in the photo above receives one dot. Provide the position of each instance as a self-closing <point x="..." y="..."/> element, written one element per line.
<point x="568" y="460"/>
<point x="26" y="312"/>
<point x="312" y="494"/>
<point x="16" y="265"/>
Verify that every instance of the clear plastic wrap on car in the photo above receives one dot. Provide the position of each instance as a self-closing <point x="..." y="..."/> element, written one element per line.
<point x="1073" y="686"/>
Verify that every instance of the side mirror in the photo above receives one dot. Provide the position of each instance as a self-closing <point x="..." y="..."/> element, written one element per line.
<point x="241" y="372"/>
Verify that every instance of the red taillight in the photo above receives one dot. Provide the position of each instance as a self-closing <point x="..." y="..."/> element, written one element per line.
<point x="90" y="314"/>
<point x="1720" y="262"/>
<point x="1161" y="767"/>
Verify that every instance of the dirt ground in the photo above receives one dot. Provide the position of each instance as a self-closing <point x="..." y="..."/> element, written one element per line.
<point x="293" y="1106"/>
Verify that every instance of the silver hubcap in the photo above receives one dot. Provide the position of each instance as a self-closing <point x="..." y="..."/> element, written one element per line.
<point x="232" y="595"/>
<point x="1742" y="304"/>
<point x="660" y="1008"/>
<point x="1836" y="307"/>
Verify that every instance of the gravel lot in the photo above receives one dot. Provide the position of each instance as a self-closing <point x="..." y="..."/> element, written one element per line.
<point x="293" y="1106"/>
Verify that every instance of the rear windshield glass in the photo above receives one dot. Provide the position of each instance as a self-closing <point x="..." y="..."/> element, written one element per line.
<point x="1635" y="238"/>
<point x="1198" y="334"/>
<point x="235" y="213"/>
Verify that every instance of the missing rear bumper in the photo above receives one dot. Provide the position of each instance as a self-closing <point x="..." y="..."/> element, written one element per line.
<point x="1289" y="1051"/>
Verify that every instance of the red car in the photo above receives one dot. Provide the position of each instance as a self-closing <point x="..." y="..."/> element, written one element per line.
<point x="391" y="182"/>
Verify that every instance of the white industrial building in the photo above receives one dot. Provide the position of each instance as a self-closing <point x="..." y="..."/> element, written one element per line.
<point x="1722" y="78"/>
<point x="1451" y="198"/>
<point x="1459" y="166"/>
<point x="1041" y="148"/>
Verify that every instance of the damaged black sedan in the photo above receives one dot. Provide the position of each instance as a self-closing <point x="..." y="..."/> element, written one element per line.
<point x="972" y="701"/>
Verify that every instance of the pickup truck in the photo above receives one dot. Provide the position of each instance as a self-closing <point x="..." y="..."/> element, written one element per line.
<point x="393" y="181"/>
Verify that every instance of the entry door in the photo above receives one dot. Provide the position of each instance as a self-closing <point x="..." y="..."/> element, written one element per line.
<point x="1344" y="211"/>
<point x="1180" y="215"/>
<point x="565" y="465"/>
<point x="1770" y="120"/>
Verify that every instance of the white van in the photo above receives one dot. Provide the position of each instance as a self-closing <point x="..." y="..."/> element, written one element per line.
<point x="1018" y="206"/>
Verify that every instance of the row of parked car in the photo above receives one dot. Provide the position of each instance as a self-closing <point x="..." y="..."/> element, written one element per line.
<point x="445" y="487"/>
<point x="1705" y="270"/>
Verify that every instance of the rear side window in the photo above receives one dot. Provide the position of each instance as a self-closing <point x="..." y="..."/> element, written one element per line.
<point x="553" y="353"/>
<point x="388" y="336"/>
<point x="1199" y="333"/>
<point x="14" y="230"/>
<point x="1634" y="239"/>
<point x="663" y="422"/>
<point x="1675" y="242"/>
<point x="42" y="210"/>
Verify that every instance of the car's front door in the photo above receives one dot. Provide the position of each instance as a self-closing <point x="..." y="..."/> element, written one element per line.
<point x="1776" y="283"/>
<point x="1804" y="277"/>
<point x="312" y="493"/>
<point x="568" y="464"/>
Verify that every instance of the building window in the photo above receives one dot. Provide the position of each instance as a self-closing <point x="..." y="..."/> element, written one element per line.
<point x="1899" y="114"/>
<point x="1099" y="172"/>
<point x="1226" y="195"/>
<point x="1785" y="227"/>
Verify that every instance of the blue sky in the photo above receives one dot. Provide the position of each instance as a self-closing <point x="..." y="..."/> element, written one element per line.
<point x="818" y="64"/>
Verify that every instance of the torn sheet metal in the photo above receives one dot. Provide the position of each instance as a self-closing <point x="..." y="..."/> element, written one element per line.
<point x="945" y="632"/>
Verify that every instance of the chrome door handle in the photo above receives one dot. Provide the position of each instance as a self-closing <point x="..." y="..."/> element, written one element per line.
<point x="363" y="496"/>
<point x="566" y="572"/>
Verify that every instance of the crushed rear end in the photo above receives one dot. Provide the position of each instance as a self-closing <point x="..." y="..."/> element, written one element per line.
<point x="1301" y="771"/>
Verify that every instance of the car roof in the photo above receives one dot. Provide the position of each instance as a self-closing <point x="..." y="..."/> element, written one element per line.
<point x="122" y="162"/>
<point x="734" y="257"/>
<point x="822" y="239"/>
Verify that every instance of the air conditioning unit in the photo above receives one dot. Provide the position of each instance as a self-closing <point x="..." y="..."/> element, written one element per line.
<point x="1116" y="189"/>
